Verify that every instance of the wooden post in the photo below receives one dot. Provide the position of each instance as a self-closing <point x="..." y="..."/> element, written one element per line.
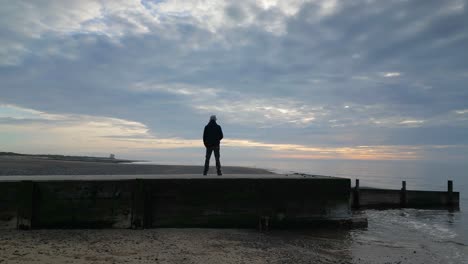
<point x="450" y="192"/>
<point x="25" y="205"/>
<point x="403" y="194"/>
<point x="356" y="195"/>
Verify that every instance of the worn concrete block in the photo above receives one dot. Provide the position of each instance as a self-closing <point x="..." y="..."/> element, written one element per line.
<point x="25" y="204"/>
<point x="138" y="204"/>
<point x="241" y="202"/>
<point x="93" y="204"/>
<point x="185" y="201"/>
<point x="8" y="205"/>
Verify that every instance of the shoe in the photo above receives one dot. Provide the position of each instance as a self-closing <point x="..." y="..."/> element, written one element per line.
<point x="220" y="174"/>
<point x="204" y="174"/>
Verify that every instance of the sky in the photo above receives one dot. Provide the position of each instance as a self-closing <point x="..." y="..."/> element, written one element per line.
<point x="288" y="80"/>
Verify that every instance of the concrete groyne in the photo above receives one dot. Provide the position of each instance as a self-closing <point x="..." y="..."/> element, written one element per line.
<point x="187" y="200"/>
<point x="404" y="198"/>
<point x="151" y="201"/>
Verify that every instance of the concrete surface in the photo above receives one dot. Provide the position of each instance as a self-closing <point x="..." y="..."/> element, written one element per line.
<point x="145" y="201"/>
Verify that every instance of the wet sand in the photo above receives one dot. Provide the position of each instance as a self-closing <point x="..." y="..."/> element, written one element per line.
<point x="202" y="246"/>
<point x="159" y="246"/>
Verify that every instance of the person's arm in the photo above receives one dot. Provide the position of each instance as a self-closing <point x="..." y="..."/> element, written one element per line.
<point x="204" y="137"/>
<point x="220" y="133"/>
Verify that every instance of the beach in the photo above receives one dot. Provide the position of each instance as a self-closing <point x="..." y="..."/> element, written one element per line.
<point x="21" y="165"/>
<point x="198" y="246"/>
<point x="392" y="237"/>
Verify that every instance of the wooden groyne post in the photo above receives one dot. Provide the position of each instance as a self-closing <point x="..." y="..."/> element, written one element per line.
<point x="450" y="193"/>
<point x="403" y="195"/>
<point x="404" y="198"/>
<point x="356" y="198"/>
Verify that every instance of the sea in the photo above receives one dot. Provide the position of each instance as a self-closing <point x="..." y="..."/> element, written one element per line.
<point x="441" y="236"/>
<point x="397" y="235"/>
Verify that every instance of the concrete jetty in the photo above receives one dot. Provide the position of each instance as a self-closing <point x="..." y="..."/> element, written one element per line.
<point x="261" y="201"/>
<point x="184" y="200"/>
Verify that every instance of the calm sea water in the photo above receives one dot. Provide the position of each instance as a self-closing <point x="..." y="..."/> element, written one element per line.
<point x="398" y="236"/>
<point x="440" y="235"/>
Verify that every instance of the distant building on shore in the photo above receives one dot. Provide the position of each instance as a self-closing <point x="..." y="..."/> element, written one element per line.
<point x="112" y="156"/>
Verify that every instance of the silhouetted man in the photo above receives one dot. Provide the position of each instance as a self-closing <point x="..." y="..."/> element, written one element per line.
<point x="212" y="136"/>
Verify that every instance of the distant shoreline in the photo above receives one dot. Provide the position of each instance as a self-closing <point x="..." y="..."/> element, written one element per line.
<point x="68" y="158"/>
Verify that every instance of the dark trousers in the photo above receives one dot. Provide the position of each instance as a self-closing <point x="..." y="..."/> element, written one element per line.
<point x="210" y="150"/>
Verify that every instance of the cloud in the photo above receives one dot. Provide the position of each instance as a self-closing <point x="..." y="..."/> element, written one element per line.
<point x="263" y="112"/>
<point x="235" y="107"/>
<point x="30" y="21"/>
<point x="462" y="112"/>
<point x="20" y="113"/>
<point x="82" y="124"/>
<point x="310" y="73"/>
<point x="93" y="134"/>
<point x="267" y="111"/>
<point x="293" y="151"/>
<point x="411" y="122"/>
<point x="176" y="88"/>
<point x="391" y="74"/>
<point x="38" y="18"/>
<point x="68" y="132"/>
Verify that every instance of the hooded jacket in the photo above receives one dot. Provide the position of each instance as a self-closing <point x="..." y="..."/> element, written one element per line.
<point x="212" y="134"/>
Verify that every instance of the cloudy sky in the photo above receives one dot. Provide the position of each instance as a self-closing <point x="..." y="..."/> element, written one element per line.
<point x="319" y="79"/>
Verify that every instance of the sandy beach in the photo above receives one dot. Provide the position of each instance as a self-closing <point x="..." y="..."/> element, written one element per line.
<point x="162" y="246"/>
<point x="19" y="165"/>
<point x="385" y="241"/>
<point x="204" y="246"/>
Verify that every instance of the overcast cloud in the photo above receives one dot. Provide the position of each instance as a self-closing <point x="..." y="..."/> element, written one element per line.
<point x="287" y="79"/>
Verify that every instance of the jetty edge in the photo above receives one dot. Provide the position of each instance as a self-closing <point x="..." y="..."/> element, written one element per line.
<point x="261" y="201"/>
